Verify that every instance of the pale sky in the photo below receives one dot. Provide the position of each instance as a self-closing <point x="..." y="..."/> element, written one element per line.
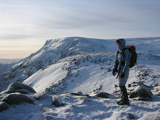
<point x="25" y="25"/>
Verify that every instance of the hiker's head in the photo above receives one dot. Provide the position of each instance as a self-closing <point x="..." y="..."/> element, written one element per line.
<point x="121" y="43"/>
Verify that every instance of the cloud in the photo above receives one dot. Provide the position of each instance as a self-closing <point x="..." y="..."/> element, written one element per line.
<point x="27" y="19"/>
<point x="83" y="15"/>
<point x="16" y="36"/>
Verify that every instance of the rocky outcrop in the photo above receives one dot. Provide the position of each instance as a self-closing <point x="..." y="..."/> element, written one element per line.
<point x="57" y="102"/>
<point x="15" y="95"/>
<point x="19" y="87"/>
<point x="14" y="98"/>
<point x="142" y="92"/>
<point x="3" y="106"/>
<point x="102" y="95"/>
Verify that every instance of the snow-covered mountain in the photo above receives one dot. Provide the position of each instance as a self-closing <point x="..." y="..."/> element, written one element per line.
<point x="57" y="49"/>
<point x="52" y="51"/>
<point x="77" y="64"/>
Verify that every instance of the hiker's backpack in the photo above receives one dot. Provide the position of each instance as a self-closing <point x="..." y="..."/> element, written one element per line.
<point x="133" y="59"/>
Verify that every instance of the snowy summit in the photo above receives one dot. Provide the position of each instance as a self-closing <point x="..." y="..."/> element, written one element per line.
<point x="72" y="78"/>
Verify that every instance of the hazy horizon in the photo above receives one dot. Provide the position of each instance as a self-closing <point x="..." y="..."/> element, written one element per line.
<point x="26" y="25"/>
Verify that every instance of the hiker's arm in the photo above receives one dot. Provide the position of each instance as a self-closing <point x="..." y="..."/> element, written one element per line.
<point x="127" y="60"/>
<point x="116" y="62"/>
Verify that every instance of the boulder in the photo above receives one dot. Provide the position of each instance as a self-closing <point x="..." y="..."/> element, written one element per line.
<point x="77" y="93"/>
<point x="17" y="99"/>
<point x="102" y="95"/>
<point x="3" y="106"/>
<point x="56" y="101"/>
<point x="142" y="92"/>
<point x="23" y="91"/>
<point x="19" y="87"/>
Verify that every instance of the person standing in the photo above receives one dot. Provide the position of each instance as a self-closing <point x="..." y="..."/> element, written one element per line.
<point x="121" y="68"/>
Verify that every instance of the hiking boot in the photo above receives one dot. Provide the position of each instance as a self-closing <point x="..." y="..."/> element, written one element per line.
<point x="124" y="94"/>
<point x="123" y="103"/>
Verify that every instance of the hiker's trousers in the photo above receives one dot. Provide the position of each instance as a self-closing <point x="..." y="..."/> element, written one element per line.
<point x="122" y="81"/>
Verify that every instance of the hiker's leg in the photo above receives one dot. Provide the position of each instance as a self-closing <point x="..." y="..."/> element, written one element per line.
<point x="124" y="98"/>
<point x="122" y="82"/>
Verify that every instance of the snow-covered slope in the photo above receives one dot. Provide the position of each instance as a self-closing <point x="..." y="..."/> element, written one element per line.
<point x="90" y="65"/>
<point x="77" y="64"/>
<point x="92" y="72"/>
<point x="75" y="73"/>
<point x="5" y="67"/>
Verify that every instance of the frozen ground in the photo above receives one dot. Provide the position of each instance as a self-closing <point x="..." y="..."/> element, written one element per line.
<point x="83" y="108"/>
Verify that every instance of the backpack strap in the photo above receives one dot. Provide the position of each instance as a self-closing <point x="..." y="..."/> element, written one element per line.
<point x="123" y="51"/>
<point x="117" y="53"/>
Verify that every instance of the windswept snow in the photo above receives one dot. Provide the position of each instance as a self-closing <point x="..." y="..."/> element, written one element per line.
<point x="45" y="78"/>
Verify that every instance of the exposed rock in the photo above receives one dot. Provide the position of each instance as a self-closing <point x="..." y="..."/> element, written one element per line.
<point x="19" y="87"/>
<point x="135" y="84"/>
<point x="3" y="106"/>
<point x="56" y="101"/>
<point x="103" y="95"/>
<point x="142" y="92"/>
<point x="78" y="94"/>
<point x="156" y="84"/>
<point x="17" y="99"/>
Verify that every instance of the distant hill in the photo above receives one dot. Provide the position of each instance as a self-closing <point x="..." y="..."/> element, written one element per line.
<point x="8" y="61"/>
<point x="6" y="64"/>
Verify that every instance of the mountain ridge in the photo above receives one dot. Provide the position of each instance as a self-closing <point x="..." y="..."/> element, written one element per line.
<point x="48" y="54"/>
<point x="54" y="50"/>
